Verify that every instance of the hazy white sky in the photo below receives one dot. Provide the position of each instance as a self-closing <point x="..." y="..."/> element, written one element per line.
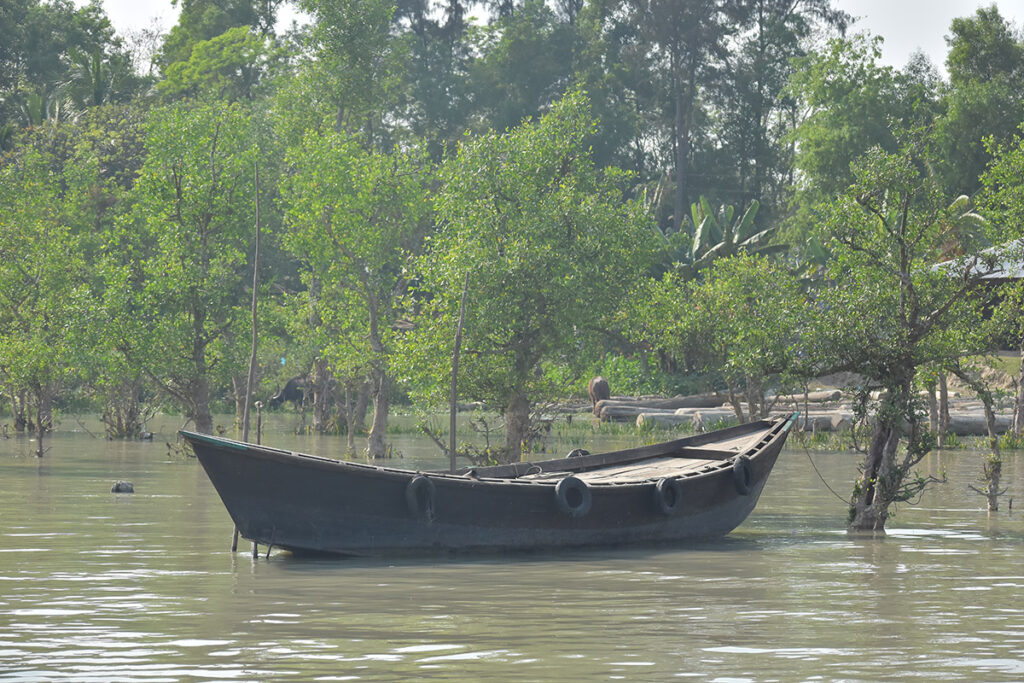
<point x="906" y="25"/>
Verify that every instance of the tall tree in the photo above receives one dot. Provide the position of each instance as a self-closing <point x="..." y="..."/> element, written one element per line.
<point x="183" y="292"/>
<point x="686" y="41"/>
<point x="201" y="20"/>
<point x="550" y="247"/>
<point x="354" y="72"/>
<point x="851" y="103"/>
<point x="229" y="66"/>
<point x="525" y="64"/>
<point x="355" y="217"/>
<point x="986" y="78"/>
<point x="43" y="294"/>
<point x="888" y="310"/>
<point x="55" y="57"/>
<point x="755" y="113"/>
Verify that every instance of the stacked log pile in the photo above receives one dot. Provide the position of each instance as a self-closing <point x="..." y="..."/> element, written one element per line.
<point x="820" y="411"/>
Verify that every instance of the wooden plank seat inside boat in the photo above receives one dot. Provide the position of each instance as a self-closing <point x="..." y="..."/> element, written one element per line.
<point x="646" y="470"/>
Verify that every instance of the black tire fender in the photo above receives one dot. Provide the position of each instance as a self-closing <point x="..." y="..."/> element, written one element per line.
<point x="742" y="475"/>
<point x="668" y="496"/>
<point x="419" y="497"/>
<point x="573" y="496"/>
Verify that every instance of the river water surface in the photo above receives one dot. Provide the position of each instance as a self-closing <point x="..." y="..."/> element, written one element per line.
<point x="102" y="587"/>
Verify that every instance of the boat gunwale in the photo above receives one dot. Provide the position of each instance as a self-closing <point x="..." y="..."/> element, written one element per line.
<point x="774" y="428"/>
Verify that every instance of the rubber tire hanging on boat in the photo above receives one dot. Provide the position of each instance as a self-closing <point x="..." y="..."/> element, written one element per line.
<point x="573" y="496"/>
<point x="668" y="496"/>
<point x="419" y="497"/>
<point x="742" y="474"/>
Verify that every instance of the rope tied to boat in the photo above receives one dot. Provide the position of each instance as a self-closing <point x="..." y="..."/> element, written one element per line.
<point x="815" y="468"/>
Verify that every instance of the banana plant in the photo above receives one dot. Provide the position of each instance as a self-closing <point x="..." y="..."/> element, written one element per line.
<point x="717" y="235"/>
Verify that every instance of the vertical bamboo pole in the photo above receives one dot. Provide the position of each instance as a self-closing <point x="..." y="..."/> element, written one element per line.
<point x="455" y="377"/>
<point x="251" y="378"/>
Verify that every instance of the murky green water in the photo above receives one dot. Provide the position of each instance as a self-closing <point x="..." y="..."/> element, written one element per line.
<point x="102" y="587"/>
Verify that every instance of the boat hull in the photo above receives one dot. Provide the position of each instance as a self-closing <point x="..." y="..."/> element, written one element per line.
<point x="311" y="504"/>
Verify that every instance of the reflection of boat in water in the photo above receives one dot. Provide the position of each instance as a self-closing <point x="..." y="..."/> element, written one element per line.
<point x="697" y="487"/>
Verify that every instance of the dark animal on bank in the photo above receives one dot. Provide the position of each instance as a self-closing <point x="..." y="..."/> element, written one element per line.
<point x="293" y="391"/>
<point x="598" y="391"/>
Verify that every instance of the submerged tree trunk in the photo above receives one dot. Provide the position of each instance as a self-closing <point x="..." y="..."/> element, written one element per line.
<point x="40" y="451"/>
<point x="517" y="426"/>
<point x="884" y="471"/>
<point x="869" y="508"/>
<point x="1018" y="408"/>
<point x="933" y="407"/>
<point x="200" y="409"/>
<point x="321" y="389"/>
<point x="943" y="409"/>
<point x="377" y="439"/>
<point x="123" y="412"/>
<point x="20" y="413"/>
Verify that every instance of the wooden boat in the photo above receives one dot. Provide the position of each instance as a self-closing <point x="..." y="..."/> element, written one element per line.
<point x="698" y="487"/>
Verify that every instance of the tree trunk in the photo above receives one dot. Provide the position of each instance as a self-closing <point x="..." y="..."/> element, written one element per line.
<point x="361" y="407"/>
<point x="44" y="412"/>
<point x="200" y="408"/>
<point x="517" y="427"/>
<point x="19" y="411"/>
<point x="321" y="386"/>
<point x="250" y="380"/>
<point x="1018" y="408"/>
<point x="992" y="472"/>
<point x="345" y="391"/>
<point x="882" y="477"/>
<point x="869" y="508"/>
<point x="734" y="401"/>
<point x="238" y="388"/>
<point x="943" y="409"/>
<point x="377" y="440"/>
<point x="933" y="408"/>
<point x="40" y="451"/>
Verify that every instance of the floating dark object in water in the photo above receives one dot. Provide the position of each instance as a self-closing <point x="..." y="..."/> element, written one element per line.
<point x="699" y="487"/>
<point x="122" y="487"/>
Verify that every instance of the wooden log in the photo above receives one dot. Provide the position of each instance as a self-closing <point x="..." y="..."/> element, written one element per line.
<point x="974" y="424"/>
<point x="709" y="418"/>
<point x="827" y="421"/>
<point x="627" y="413"/>
<point x="662" y="419"/>
<point x="699" y="401"/>
<point x="829" y="396"/>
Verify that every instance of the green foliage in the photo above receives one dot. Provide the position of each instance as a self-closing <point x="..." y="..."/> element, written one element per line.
<point x="228" y="66"/>
<point x="550" y="249"/>
<point x="983" y="106"/>
<point x="202" y="20"/>
<point x="745" y="321"/>
<point x="355" y="218"/>
<point x="526" y="65"/>
<point x="889" y="310"/>
<point x="854" y="104"/>
<point x="43" y="292"/>
<point x="354" y="73"/>
<point x="56" y="58"/>
<point x="717" y="235"/>
<point x="183" y="289"/>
